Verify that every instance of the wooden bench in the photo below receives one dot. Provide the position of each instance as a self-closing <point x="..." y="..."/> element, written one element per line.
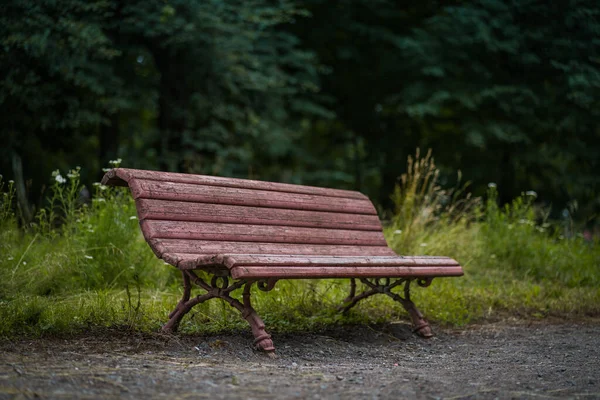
<point x="255" y="232"/>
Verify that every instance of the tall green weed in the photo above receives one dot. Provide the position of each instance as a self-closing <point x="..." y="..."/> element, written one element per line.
<point x="515" y="259"/>
<point x="74" y="246"/>
<point x="519" y="236"/>
<point x="485" y="236"/>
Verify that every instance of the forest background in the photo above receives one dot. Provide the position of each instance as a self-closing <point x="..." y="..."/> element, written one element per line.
<point x="506" y="94"/>
<point x="318" y="92"/>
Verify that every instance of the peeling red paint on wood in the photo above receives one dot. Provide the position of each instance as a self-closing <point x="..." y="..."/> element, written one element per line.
<point x="235" y="260"/>
<point x="266" y="230"/>
<point x="318" y="271"/>
<point x="258" y="233"/>
<point x="251" y="266"/>
<point x="146" y="189"/>
<point x="121" y="176"/>
<point x="206" y="212"/>
<point x="227" y="247"/>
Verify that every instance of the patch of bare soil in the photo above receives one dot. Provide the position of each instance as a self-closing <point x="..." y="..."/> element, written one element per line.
<point x="357" y="362"/>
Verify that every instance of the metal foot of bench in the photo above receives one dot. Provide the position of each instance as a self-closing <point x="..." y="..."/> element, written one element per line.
<point x="262" y="340"/>
<point x="420" y="325"/>
<point x="181" y="309"/>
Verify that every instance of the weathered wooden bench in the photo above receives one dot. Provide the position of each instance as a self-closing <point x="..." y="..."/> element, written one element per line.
<point x="258" y="232"/>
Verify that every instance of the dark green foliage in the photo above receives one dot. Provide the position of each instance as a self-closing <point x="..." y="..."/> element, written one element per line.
<point x="198" y="86"/>
<point x="509" y="91"/>
<point x="54" y="68"/>
<point x="307" y="91"/>
<point x="56" y="81"/>
<point x="231" y="86"/>
<point x="357" y="42"/>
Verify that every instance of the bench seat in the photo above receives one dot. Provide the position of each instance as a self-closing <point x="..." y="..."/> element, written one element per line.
<point x="257" y="232"/>
<point x="253" y="266"/>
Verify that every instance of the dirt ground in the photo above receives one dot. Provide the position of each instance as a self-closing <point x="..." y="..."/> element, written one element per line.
<point x="502" y="360"/>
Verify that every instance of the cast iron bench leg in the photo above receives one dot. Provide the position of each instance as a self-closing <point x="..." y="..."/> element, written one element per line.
<point x="262" y="340"/>
<point x="420" y="325"/>
<point x="184" y="305"/>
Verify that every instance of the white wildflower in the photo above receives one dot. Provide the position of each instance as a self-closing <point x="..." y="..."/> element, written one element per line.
<point x="56" y="172"/>
<point x="133" y="217"/>
<point x="74" y="173"/>
<point x="24" y="262"/>
<point x="60" y="179"/>
<point x="492" y="185"/>
<point x="397" y="231"/>
<point x="10" y="258"/>
<point x="531" y="193"/>
<point x="100" y="185"/>
<point x="88" y="257"/>
<point x="11" y="182"/>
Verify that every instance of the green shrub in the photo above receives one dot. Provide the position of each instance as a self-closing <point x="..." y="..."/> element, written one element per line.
<point x="515" y="260"/>
<point x="74" y="247"/>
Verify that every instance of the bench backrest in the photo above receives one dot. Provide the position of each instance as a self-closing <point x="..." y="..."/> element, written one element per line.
<point x="198" y="214"/>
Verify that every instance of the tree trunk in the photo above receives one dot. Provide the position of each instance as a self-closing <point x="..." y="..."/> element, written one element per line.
<point x="24" y="206"/>
<point x="109" y="142"/>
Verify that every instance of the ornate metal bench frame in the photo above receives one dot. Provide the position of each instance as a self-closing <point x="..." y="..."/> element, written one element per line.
<point x="220" y="287"/>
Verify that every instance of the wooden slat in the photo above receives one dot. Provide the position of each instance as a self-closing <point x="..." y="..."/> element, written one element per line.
<point x="282" y="271"/>
<point x="203" y="212"/>
<point x="267" y="266"/>
<point x="236" y="260"/>
<point x="258" y="233"/>
<point x="191" y="261"/>
<point x="120" y="177"/>
<point x="196" y="247"/>
<point x="246" y="197"/>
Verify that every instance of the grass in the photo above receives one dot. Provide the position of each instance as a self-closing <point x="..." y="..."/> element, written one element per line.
<point x="85" y="266"/>
<point x="516" y="262"/>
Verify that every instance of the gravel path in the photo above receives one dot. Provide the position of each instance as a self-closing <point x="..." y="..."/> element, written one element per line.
<point x="502" y="361"/>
